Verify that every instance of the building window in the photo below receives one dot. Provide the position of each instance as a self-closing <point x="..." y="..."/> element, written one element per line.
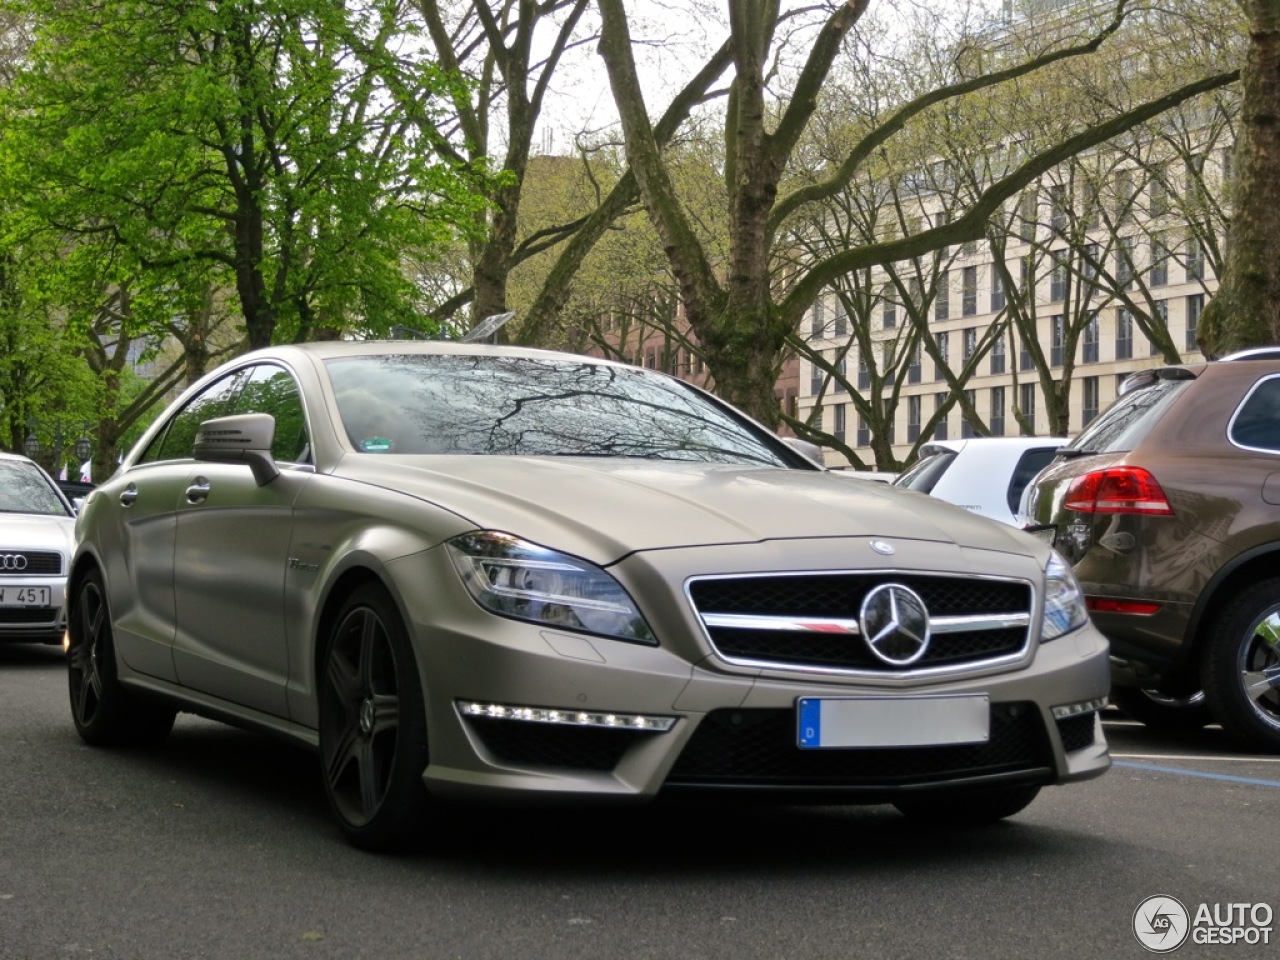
<point x="1090" y="349"/>
<point x="997" y="289"/>
<point x="1124" y="196"/>
<point x="841" y="320"/>
<point x="966" y="425"/>
<point x="1027" y="217"/>
<point x="1089" y="408"/>
<point x="864" y="373"/>
<point x="997" y="355"/>
<point x="1057" y="331"/>
<point x="969" y="343"/>
<point x="969" y="291"/>
<point x="842" y="377"/>
<point x="839" y="413"/>
<point x="1058" y="207"/>
<point x="819" y="319"/>
<point x="864" y="435"/>
<point x="1157" y="193"/>
<point x="1124" y="262"/>
<point x="890" y="306"/>
<point x="940" y="429"/>
<point x="1027" y="404"/>
<point x="913" y="368"/>
<point x="943" y="341"/>
<point x="1025" y="361"/>
<point x="651" y="358"/>
<point x="1195" y="304"/>
<point x="996" y="420"/>
<point x="913" y="418"/>
<point x="887" y="362"/>
<point x="942" y="305"/>
<point x="816" y="376"/>
<point x="1058" y="277"/>
<point x="1195" y="259"/>
<point x="1158" y="276"/>
<point x="1160" y="317"/>
<point x="1124" y="334"/>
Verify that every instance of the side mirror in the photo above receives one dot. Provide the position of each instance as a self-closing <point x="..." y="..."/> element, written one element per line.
<point x="245" y="438"/>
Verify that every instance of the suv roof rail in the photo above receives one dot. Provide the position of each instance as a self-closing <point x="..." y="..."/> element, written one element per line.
<point x="1254" y="353"/>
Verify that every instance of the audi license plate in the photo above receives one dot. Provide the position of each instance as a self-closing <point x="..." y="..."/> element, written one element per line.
<point x="893" y="721"/>
<point x="24" y="597"/>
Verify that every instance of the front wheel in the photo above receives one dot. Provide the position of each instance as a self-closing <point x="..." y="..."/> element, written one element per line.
<point x="965" y="807"/>
<point x="104" y="712"/>
<point x="1240" y="668"/>
<point x="373" y="730"/>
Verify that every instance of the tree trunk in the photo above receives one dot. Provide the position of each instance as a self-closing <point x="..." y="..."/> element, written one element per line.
<point x="1245" y="312"/>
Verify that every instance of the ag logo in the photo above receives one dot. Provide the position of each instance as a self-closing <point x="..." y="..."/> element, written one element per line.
<point x="1161" y="924"/>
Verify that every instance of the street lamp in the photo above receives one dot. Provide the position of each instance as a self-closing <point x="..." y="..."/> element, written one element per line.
<point x="82" y="448"/>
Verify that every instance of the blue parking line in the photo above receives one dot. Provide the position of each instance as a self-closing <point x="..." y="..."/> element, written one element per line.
<point x="1196" y="773"/>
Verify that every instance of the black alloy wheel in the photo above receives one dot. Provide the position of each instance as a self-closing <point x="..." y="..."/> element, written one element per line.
<point x="103" y="711"/>
<point x="373" y="732"/>
<point x="1241" y="665"/>
<point x="1162" y="710"/>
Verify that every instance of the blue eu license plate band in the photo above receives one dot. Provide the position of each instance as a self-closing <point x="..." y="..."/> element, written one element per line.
<point x="892" y="721"/>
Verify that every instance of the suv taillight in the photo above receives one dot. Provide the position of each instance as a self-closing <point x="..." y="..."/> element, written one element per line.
<point x="1118" y="490"/>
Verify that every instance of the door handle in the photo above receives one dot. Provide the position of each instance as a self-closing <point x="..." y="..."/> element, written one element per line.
<point x="129" y="496"/>
<point x="198" y="491"/>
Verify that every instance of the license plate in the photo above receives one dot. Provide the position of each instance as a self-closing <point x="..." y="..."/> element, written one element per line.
<point x="893" y="721"/>
<point x="24" y="597"/>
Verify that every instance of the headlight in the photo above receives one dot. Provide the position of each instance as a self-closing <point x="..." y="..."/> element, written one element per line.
<point x="1064" y="608"/>
<point x="515" y="578"/>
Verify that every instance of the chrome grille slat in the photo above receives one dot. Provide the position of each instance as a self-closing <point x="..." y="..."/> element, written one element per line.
<point x="809" y="621"/>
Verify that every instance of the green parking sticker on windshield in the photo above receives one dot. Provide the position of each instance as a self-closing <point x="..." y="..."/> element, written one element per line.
<point x="376" y="445"/>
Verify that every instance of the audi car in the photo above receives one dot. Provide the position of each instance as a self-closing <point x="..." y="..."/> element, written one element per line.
<point x="36" y="526"/>
<point x="477" y="573"/>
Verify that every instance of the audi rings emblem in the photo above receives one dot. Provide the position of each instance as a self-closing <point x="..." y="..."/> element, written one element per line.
<point x="13" y="562"/>
<point x="895" y="622"/>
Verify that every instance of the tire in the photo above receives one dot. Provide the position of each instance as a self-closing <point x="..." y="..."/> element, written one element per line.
<point x="373" y="730"/>
<point x="967" y="807"/>
<point x="1240" y="665"/>
<point x="104" y="712"/>
<point x="1168" y="712"/>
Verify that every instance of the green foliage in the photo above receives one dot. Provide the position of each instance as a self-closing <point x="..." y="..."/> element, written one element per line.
<point x="247" y="144"/>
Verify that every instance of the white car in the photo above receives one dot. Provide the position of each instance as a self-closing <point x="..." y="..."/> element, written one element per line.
<point x="36" y="539"/>
<point x="985" y="475"/>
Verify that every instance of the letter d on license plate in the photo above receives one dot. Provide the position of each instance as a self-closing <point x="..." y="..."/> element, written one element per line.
<point x="893" y="721"/>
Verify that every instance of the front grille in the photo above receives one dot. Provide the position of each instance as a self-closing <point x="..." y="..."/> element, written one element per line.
<point x="40" y="563"/>
<point x="551" y="745"/>
<point x="1077" y="732"/>
<point x="839" y="596"/>
<point x="758" y="748"/>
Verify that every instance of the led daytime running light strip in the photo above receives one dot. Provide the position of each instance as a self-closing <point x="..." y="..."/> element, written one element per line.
<point x="1079" y="709"/>
<point x="568" y="718"/>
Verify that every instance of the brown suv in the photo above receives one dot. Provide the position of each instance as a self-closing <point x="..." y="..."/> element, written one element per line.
<point x="1168" y="507"/>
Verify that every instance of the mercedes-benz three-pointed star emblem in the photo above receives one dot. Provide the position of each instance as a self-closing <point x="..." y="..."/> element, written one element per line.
<point x="895" y="622"/>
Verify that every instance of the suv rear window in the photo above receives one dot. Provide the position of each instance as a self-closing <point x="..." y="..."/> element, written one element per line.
<point x="1257" y="424"/>
<point x="1129" y="419"/>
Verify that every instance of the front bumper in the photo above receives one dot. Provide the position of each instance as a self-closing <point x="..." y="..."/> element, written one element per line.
<point x="35" y="624"/>
<point x="732" y="727"/>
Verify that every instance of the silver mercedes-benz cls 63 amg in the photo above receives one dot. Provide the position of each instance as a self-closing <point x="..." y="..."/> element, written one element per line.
<point x="468" y="572"/>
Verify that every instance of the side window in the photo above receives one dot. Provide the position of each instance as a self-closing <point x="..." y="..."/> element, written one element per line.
<point x="271" y="389"/>
<point x="1257" y="423"/>
<point x="175" y="440"/>
<point x="1029" y="464"/>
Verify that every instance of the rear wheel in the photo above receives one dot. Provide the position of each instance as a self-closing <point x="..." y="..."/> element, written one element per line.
<point x="1241" y="665"/>
<point x="967" y="806"/>
<point x="104" y="712"/>
<point x="1160" y="710"/>
<point x="373" y="731"/>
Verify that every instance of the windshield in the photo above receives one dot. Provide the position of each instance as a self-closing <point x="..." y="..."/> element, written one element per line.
<point x="519" y="406"/>
<point x="1129" y="419"/>
<point x="24" y="488"/>
<point x="926" y="472"/>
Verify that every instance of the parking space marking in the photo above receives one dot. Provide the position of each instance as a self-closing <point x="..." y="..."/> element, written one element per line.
<point x="1228" y="778"/>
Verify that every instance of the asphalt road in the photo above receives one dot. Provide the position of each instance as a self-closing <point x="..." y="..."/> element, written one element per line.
<point x="218" y="845"/>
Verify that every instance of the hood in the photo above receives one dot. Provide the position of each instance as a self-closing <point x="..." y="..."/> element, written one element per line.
<point x="33" y="531"/>
<point x="604" y="509"/>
